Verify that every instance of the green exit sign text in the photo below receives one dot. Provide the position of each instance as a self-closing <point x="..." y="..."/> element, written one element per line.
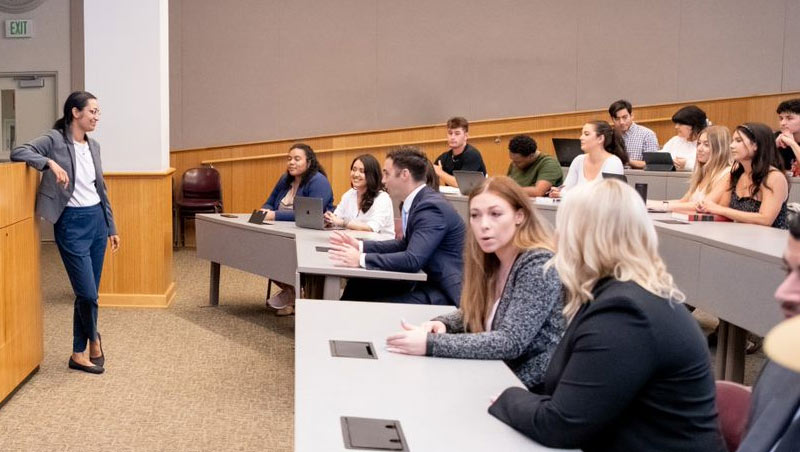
<point x="19" y="28"/>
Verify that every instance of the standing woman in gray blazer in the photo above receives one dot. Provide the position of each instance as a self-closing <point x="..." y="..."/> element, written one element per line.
<point x="72" y="195"/>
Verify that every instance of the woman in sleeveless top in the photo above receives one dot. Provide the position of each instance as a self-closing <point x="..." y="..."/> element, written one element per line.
<point x="713" y="168"/>
<point x="757" y="190"/>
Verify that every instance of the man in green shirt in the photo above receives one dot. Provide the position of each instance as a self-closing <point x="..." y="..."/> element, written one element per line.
<point x="532" y="170"/>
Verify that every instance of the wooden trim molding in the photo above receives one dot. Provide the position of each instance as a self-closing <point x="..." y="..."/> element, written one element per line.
<point x="140" y="274"/>
<point x="250" y="171"/>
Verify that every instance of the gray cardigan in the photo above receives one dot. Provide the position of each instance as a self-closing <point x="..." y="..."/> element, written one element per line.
<point x="526" y="328"/>
<point x="51" y="198"/>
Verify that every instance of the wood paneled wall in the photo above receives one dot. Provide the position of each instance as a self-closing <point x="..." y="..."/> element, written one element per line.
<point x="248" y="181"/>
<point x="140" y="273"/>
<point x="21" y="338"/>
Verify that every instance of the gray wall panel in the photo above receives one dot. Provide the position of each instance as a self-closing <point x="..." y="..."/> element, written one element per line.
<point x="730" y="48"/>
<point x="254" y="70"/>
<point x="791" y="46"/>
<point x="627" y="48"/>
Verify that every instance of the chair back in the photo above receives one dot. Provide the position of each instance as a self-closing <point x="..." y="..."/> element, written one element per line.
<point x="733" y="406"/>
<point x="201" y="183"/>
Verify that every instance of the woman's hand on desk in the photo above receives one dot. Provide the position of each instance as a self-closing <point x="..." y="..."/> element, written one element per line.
<point x="680" y="162"/>
<point x="412" y="341"/>
<point x="332" y="219"/>
<point x="270" y="216"/>
<point x="555" y="192"/>
<point x="344" y="255"/>
<point x="707" y="206"/>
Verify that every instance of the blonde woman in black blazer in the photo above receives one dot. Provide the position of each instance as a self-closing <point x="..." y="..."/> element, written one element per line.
<point x="73" y="196"/>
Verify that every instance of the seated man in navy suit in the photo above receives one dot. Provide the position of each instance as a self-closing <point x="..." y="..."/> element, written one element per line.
<point x="774" y="422"/>
<point x="433" y="241"/>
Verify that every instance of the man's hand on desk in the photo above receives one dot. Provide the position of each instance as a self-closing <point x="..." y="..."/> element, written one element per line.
<point x="343" y="239"/>
<point x="344" y="255"/>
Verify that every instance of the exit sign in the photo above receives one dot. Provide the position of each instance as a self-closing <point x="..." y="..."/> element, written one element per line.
<point x="19" y="28"/>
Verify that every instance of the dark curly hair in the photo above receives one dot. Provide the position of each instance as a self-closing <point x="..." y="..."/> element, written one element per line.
<point x="313" y="164"/>
<point x="522" y="145"/>
<point x="372" y="175"/>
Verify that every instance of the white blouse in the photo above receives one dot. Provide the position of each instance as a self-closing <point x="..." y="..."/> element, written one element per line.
<point x="85" y="193"/>
<point x="575" y="176"/>
<point x="379" y="217"/>
<point x="680" y="148"/>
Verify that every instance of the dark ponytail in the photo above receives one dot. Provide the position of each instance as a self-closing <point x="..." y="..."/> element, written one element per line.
<point x="612" y="140"/>
<point x="77" y="99"/>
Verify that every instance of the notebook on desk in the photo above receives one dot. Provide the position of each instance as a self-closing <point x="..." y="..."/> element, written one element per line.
<point x="567" y="149"/>
<point x="619" y="177"/>
<point x="308" y="213"/>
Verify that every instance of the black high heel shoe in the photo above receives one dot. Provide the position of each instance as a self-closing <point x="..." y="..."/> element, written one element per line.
<point x="90" y="369"/>
<point x="100" y="360"/>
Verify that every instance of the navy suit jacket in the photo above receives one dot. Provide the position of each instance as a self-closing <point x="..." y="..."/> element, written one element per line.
<point x="316" y="187"/>
<point x="776" y="397"/>
<point x="433" y="243"/>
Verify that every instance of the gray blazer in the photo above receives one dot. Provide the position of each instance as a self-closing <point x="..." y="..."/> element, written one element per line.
<point x="52" y="198"/>
<point x="527" y="325"/>
<point x="776" y="397"/>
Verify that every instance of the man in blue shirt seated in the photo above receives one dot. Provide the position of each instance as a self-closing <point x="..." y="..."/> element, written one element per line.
<point x="774" y="423"/>
<point x="638" y="139"/>
<point x="433" y="241"/>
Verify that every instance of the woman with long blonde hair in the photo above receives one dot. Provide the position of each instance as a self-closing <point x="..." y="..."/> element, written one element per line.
<point x="632" y="371"/>
<point x="712" y="168"/>
<point x="510" y="304"/>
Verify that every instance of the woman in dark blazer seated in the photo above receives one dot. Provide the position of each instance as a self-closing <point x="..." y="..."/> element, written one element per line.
<point x="304" y="177"/>
<point x="632" y="372"/>
<point x="72" y="195"/>
<point x="510" y="305"/>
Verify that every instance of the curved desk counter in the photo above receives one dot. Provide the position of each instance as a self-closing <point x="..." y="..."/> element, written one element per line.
<point x="21" y="334"/>
<point x="729" y="270"/>
<point x="279" y="251"/>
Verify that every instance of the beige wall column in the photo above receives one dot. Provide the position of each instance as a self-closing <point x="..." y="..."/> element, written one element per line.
<point x="126" y="66"/>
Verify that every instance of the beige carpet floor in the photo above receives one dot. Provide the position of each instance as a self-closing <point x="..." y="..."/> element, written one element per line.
<point x="186" y="378"/>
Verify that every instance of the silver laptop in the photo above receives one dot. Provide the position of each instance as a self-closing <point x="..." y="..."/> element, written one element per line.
<point x="308" y="213"/>
<point x="468" y="180"/>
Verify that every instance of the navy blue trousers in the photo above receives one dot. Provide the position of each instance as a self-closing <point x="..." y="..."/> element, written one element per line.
<point x="81" y="235"/>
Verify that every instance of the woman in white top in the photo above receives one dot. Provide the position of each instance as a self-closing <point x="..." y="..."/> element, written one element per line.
<point x="603" y="152"/>
<point x="366" y="206"/>
<point x="713" y="168"/>
<point x="689" y="122"/>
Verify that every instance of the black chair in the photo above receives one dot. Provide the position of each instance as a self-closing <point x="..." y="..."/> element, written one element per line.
<point x="200" y="192"/>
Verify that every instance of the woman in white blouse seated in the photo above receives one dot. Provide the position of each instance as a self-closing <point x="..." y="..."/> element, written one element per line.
<point x="689" y="122"/>
<point x="366" y="206"/>
<point x="603" y="152"/>
<point x="712" y="169"/>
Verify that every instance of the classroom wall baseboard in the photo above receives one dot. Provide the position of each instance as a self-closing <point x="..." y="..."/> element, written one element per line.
<point x="136" y="300"/>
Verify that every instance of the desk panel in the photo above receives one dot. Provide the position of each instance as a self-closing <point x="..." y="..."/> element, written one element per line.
<point x="257" y="252"/>
<point x="441" y="403"/>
